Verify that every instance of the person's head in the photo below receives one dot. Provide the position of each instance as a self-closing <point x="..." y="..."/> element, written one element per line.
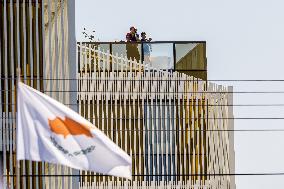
<point x="143" y="35"/>
<point x="133" y="29"/>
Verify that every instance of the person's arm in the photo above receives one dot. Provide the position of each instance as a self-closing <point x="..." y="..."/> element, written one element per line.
<point x="137" y="37"/>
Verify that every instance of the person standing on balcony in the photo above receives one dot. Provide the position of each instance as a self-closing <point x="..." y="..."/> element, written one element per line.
<point x="144" y="37"/>
<point x="132" y="47"/>
<point x="147" y="48"/>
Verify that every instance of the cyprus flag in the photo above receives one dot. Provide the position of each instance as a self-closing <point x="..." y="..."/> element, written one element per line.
<point x="51" y="132"/>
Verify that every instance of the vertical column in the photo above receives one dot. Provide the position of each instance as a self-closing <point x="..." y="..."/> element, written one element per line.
<point x="42" y="44"/>
<point x="12" y="114"/>
<point x="1" y="110"/>
<point x="71" y="58"/>
<point x="231" y="137"/>
<point x="5" y="92"/>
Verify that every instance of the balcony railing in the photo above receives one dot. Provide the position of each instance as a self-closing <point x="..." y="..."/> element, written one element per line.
<point x="188" y="57"/>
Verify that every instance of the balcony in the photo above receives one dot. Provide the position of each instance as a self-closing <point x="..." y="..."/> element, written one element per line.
<point x="188" y="57"/>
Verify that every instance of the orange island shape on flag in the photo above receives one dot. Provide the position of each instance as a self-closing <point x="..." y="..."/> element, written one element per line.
<point x="69" y="126"/>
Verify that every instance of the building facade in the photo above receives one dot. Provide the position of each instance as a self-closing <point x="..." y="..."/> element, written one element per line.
<point x="156" y="106"/>
<point x="173" y="124"/>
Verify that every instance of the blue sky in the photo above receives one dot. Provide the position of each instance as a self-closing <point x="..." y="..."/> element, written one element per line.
<point x="245" y="40"/>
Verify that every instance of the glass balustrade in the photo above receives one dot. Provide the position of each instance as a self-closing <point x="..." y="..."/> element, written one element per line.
<point x="186" y="57"/>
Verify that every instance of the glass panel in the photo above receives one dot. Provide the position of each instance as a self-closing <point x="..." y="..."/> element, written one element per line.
<point x="183" y="49"/>
<point x="158" y="55"/>
<point x="104" y="47"/>
<point x="131" y="51"/>
<point x="190" y="56"/>
<point x="119" y="50"/>
<point x="191" y="59"/>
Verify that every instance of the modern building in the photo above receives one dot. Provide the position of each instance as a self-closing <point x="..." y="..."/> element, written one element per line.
<point x="155" y="103"/>
<point x="173" y="124"/>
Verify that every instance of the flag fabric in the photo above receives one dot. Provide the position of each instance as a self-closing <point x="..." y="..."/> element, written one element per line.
<point x="50" y="131"/>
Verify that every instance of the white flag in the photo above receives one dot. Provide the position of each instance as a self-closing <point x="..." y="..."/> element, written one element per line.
<point x="51" y="132"/>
